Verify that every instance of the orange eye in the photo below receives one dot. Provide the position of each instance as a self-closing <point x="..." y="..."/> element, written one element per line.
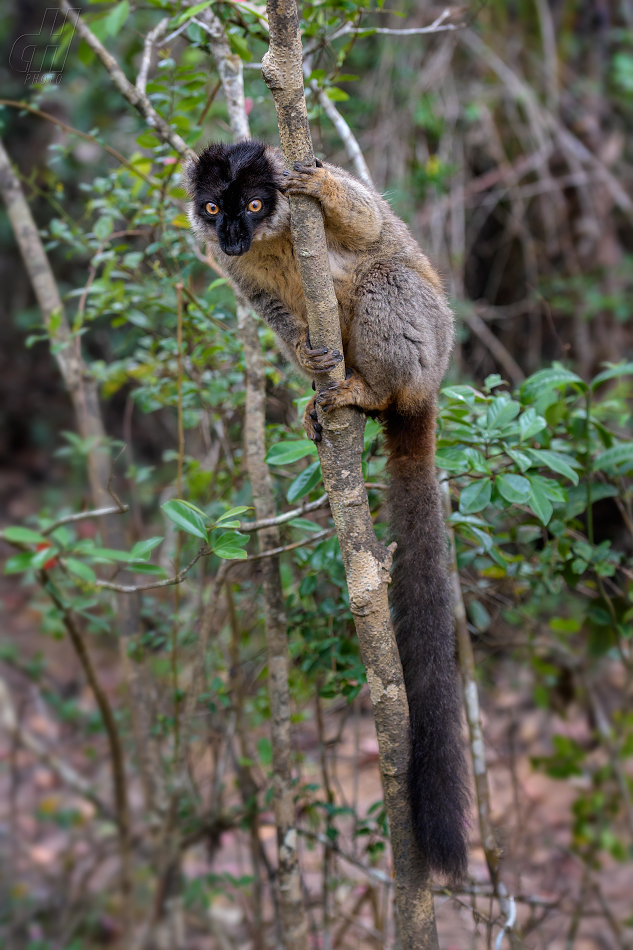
<point x="255" y="205"/>
<point x="211" y="208"/>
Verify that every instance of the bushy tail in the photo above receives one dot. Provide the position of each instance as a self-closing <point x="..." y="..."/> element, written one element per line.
<point x="421" y="601"/>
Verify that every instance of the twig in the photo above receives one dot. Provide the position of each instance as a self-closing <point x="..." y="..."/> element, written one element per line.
<point x="117" y="759"/>
<point x="473" y="717"/>
<point x="372" y="873"/>
<point x="494" y="344"/>
<point x="345" y="133"/>
<point x="437" y="26"/>
<point x="136" y="98"/>
<point x="209" y="619"/>
<point x="83" y="516"/>
<point x="168" y="582"/>
<point x="606" y="734"/>
<point x="83" y="135"/>
<point x="274" y="552"/>
<point x="286" y="516"/>
<point x="522" y="92"/>
<point x="151" y="40"/>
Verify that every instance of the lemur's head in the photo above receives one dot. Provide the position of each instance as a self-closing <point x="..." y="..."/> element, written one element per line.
<point x="234" y="192"/>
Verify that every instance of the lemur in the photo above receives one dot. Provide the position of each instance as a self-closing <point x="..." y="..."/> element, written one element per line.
<point x="397" y="333"/>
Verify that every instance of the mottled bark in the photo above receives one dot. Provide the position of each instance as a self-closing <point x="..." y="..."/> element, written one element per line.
<point x="367" y="562"/>
<point x="291" y="909"/>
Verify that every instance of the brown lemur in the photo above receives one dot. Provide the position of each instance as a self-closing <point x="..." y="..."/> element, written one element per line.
<point x="397" y="333"/>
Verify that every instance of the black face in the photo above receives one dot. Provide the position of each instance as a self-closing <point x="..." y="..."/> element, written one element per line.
<point x="234" y="191"/>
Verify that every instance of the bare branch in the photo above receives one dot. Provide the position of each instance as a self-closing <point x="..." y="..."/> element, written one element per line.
<point x="345" y="133"/>
<point x="83" y="516"/>
<point x="136" y="98"/>
<point x="494" y="344"/>
<point x="273" y="552"/>
<point x="286" y="516"/>
<point x="151" y="41"/>
<point x="168" y="582"/>
<point x="14" y="104"/>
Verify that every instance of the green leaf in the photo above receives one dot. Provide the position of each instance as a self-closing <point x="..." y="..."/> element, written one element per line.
<point x="555" y="461"/>
<point x="265" y="750"/>
<point x="239" y="46"/>
<point x="501" y="411"/>
<point x="530" y="423"/>
<point x="186" y="517"/>
<point x="452" y="460"/>
<point x="577" y="502"/>
<point x="116" y="18"/>
<point x="520" y="459"/>
<point x="547" y="379"/>
<point x="305" y="481"/>
<point x="230" y="553"/>
<point x="23" y="536"/>
<point x="285" y="453"/>
<point x="191" y="12"/>
<point x="108" y="554"/>
<point x="476" y="496"/>
<point x="230" y="545"/>
<point x="336" y="95"/>
<point x="304" y="524"/>
<point x="103" y="228"/>
<point x="40" y="558"/>
<point x="154" y="569"/>
<point x="19" y="563"/>
<point x="618" y="455"/>
<point x="622" y="369"/>
<point x="479" y="616"/>
<point x="232" y="512"/>
<point x="142" y="549"/>
<point x="81" y="570"/>
<point x="514" y="488"/>
<point x="550" y="488"/>
<point x="540" y="503"/>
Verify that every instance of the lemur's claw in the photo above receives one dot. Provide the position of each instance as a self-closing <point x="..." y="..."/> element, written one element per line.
<point x="312" y="426"/>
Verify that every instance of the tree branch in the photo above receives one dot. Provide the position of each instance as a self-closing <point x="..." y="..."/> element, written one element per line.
<point x="367" y="562"/>
<point x="134" y="96"/>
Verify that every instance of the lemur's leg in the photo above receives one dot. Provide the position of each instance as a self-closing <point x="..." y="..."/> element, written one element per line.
<point x="294" y="333"/>
<point x="354" y="390"/>
<point x="351" y="209"/>
<point x="351" y="391"/>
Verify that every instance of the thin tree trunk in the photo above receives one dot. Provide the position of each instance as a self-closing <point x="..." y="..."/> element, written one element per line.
<point x="367" y="562"/>
<point x="82" y="389"/>
<point x="293" y="919"/>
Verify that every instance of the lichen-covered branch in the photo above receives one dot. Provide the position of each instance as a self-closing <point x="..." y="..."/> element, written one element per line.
<point x="367" y="562"/>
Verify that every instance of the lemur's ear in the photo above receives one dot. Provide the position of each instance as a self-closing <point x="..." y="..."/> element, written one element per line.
<point x="318" y="162"/>
<point x="189" y="169"/>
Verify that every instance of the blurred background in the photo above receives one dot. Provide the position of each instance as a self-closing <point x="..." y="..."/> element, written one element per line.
<point x="504" y="139"/>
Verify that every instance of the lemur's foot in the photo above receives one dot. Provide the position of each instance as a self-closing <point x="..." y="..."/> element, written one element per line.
<point x="305" y="180"/>
<point x="340" y="393"/>
<point x="311" y="423"/>
<point x="318" y="360"/>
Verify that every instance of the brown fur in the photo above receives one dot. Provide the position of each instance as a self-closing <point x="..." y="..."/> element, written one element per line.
<point x="397" y="334"/>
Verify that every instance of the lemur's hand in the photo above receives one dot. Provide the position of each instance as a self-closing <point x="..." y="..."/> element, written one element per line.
<point x="317" y="360"/>
<point x="305" y="180"/>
